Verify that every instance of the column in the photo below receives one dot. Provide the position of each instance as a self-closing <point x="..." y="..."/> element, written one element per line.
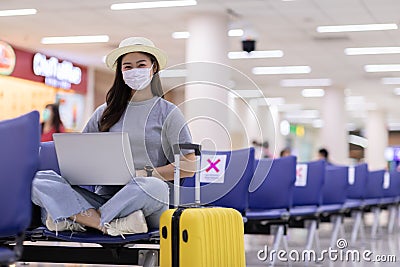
<point x="244" y="123"/>
<point x="268" y="117"/>
<point x="377" y="135"/>
<point x="206" y="106"/>
<point x="334" y="132"/>
<point x="89" y="98"/>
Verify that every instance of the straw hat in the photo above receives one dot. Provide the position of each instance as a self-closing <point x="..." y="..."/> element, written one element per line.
<point x="136" y="44"/>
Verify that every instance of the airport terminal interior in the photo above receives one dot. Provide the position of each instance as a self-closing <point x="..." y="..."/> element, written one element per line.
<point x="278" y="79"/>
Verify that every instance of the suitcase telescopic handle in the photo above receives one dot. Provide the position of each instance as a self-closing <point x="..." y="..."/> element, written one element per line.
<point x="197" y="152"/>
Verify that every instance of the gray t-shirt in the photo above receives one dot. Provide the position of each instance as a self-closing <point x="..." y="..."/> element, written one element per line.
<point x="153" y="126"/>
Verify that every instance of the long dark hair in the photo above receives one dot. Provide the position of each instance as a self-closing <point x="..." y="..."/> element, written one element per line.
<point x="120" y="94"/>
<point x="56" y="120"/>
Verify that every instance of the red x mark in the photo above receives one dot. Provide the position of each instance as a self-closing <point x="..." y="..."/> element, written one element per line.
<point x="298" y="172"/>
<point x="213" y="165"/>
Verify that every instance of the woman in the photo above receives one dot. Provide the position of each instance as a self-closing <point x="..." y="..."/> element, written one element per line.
<point x="51" y="122"/>
<point x="134" y="104"/>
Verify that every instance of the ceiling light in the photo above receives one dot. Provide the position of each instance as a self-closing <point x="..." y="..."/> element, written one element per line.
<point x="75" y="39"/>
<point x="396" y="91"/>
<point x="235" y="32"/>
<point x="173" y="73"/>
<point x="155" y="4"/>
<point x="180" y="35"/>
<point x="313" y="92"/>
<point x="18" y="12"/>
<point x="382" y="68"/>
<point x="357" y="28"/>
<point x="281" y="70"/>
<point x="305" y="82"/>
<point x="390" y="80"/>
<point x="255" y="54"/>
<point x="372" y="50"/>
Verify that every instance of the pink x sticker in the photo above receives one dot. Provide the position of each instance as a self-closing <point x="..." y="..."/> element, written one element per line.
<point x="213" y="165"/>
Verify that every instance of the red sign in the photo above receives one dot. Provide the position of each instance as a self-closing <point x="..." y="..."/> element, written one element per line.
<point x="24" y="69"/>
<point x="7" y="58"/>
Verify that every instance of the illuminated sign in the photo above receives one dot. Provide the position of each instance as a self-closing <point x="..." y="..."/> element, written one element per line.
<point x="7" y="58"/>
<point x="57" y="74"/>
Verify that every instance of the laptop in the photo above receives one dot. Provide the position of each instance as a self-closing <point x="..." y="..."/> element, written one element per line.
<point x="94" y="158"/>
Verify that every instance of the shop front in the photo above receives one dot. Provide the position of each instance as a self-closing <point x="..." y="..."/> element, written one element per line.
<point x="30" y="81"/>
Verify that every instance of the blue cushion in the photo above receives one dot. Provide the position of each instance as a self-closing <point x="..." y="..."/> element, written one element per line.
<point x="375" y="184"/>
<point x="7" y="256"/>
<point x="98" y="238"/>
<point x="48" y="157"/>
<point x="335" y="185"/>
<point x="19" y="158"/>
<point x="303" y="210"/>
<point x="311" y="193"/>
<point x="330" y="208"/>
<point x="394" y="185"/>
<point x="372" y="201"/>
<point x="233" y="192"/>
<point x="356" y="190"/>
<point x="353" y="203"/>
<point x="272" y="183"/>
<point x="266" y="214"/>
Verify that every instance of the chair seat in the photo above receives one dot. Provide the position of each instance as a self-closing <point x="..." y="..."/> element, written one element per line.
<point x="266" y="214"/>
<point x="353" y="203"/>
<point x="98" y="238"/>
<point x="389" y="200"/>
<point x="372" y="201"/>
<point x="330" y="208"/>
<point x="303" y="210"/>
<point x="6" y="255"/>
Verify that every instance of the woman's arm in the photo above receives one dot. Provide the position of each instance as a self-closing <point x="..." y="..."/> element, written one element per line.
<point x="187" y="166"/>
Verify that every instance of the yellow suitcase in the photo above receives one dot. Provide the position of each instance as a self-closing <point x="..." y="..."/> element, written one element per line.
<point x="201" y="236"/>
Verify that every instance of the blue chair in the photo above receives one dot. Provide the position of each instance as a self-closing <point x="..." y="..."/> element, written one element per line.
<point x="334" y="195"/>
<point x="233" y="191"/>
<point x="358" y="176"/>
<point x="19" y="142"/>
<point x="270" y="197"/>
<point x="374" y="189"/>
<point x="391" y="198"/>
<point x="334" y="192"/>
<point x="391" y="194"/>
<point x="373" y="197"/>
<point x="113" y="248"/>
<point x="307" y="197"/>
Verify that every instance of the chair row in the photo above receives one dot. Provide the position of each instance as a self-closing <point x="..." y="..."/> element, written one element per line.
<point x="268" y="192"/>
<point x="271" y="194"/>
<point x="284" y="193"/>
<point x="22" y="155"/>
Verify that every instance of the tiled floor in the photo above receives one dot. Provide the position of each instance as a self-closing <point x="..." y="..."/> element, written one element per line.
<point x="383" y="244"/>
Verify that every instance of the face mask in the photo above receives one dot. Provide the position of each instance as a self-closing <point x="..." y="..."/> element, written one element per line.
<point x="46" y="114"/>
<point x="137" y="78"/>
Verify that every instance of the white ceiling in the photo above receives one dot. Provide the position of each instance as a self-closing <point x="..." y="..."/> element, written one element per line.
<point x="286" y="25"/>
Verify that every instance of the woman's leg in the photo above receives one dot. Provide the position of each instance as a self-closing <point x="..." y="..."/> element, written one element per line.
<point x="51" y="192"/>
<point x="149" y="194"/>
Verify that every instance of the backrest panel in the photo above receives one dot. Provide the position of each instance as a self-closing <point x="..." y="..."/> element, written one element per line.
<point x="19" y="158"/>
<point x="275" y="179"/>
